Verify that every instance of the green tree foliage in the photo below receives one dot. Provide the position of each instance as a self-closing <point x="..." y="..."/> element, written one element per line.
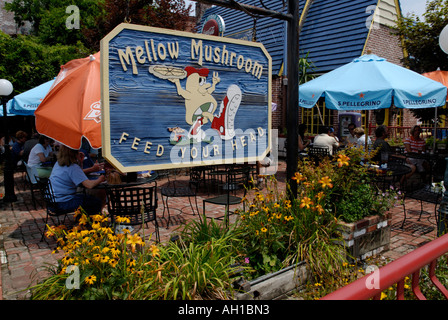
<point x="421" y="41"/>
<point x="48" y="18"/>
<point x="169" y="14"/>
<point x="306" y="68"/>
<point x="27" y="63"/>
<point x="97" y="18"/>
<point x="421" y="38"/>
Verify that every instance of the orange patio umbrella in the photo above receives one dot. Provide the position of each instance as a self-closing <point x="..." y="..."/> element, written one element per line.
<point x="438" y="75"/>
<point x="71" y="109"/>
<point x="442" y="77"/>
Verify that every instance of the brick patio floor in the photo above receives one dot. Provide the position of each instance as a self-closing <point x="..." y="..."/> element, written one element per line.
<point x="24" y="257"/>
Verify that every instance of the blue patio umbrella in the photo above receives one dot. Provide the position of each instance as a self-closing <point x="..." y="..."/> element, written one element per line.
<point x="26" y="103"/>
<point x="8" y="110"/>
<point x="369" y="83"/>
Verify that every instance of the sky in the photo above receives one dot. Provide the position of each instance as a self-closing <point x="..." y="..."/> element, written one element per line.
<point x="413" y="6"/>
<point x="407" y="6"/>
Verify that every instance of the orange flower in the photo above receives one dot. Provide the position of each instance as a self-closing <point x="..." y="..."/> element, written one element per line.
<point x="319" y="209"/>
<point x="326" y="182"/>
<point x="298" y="176"/>
<point x="320" y="195"/>
<point x="305" y="202"/>
<point x="343" y="160"/>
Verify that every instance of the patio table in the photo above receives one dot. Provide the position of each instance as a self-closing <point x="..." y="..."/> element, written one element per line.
<point x="124" y="184"/>
<point x="391" y="174"/>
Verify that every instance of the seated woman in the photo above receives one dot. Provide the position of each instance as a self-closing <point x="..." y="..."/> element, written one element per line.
<point x="67" y="174"/>
<point x="39" y="155"/>
<point x="303" y="143"/>
<point x="361" y="142"/>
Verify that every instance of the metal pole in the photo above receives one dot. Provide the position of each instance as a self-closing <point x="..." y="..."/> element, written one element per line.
<point x="292" y="107"/>
<point x="8" y="170"/>
<point x="443" y="208"/>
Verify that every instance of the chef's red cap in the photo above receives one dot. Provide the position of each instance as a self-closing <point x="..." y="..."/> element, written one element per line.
<point x="203" y="72"/>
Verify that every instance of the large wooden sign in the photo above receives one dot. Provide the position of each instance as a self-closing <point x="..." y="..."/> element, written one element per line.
<point x="178" y="99"/>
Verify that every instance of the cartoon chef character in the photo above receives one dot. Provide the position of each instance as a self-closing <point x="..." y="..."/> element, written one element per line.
<point x="199" y="102"/>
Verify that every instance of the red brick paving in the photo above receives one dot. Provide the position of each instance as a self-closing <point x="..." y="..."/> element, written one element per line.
<point x="24" y="257"/>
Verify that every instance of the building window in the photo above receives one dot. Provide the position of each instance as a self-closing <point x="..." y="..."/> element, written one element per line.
<point x="317" y="117"/>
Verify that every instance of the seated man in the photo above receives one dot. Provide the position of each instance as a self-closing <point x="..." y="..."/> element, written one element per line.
<point x="352" y="138"/>
<point x="324" y="139"/>
<point x="17" y="147"/>
<point x="41" y="154"/>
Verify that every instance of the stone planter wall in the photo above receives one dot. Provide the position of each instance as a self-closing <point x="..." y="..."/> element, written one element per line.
<point x="275" y="285"/>
<point x="368" y="236"/>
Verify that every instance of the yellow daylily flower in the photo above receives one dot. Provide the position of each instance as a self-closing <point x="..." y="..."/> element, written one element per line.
<point x="305" y="202"/>
<point x="343" y="160"/>
<point x="320" y="195"/>
<point x="298" y="176"/>
<point x="326" y="182"/>
<point x="319" y="209"/>
<point x="154" y="250"/>
<point x="83" y="220"/>
<point x="134" y="240"/>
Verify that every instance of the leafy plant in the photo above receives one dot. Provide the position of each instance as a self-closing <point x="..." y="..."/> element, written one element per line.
<point x="123" y="266"/>
<point x="265" y="231"/>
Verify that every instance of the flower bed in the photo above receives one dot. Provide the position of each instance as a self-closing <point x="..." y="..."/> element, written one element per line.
<point x="210" y="260"/>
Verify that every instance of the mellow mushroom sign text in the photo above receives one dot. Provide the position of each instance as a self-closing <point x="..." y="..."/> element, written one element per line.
<point x="178" y="99"/>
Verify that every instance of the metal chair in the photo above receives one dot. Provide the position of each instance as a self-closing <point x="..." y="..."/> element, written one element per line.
<point x="237" y="179"/>
<point x="422" y="193"/>
<point x="175" y="188"/>
<point x="138" y="204"/>
<point x="33" y="181"/>
<point x="51" y="206"/>
<point x="318" y="153"/>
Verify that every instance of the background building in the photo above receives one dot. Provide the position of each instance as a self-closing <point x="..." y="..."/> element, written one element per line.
<point x="333" y="33"/>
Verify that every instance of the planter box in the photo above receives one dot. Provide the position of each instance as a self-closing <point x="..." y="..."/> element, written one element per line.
<point x="367" y="237"/>
<point x="275" y="285"/>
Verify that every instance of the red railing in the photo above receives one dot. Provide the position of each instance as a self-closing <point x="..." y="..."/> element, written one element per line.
<point x="371" y="285"/>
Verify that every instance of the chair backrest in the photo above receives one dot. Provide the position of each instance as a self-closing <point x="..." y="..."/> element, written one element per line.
<point x="319" y="151"/>
<point x="128" y="202"/>
<point x="31" y="173"/>
<point x="49" y="198"/>
<point x="237" y="179"/>
<point x="196" y="174"/>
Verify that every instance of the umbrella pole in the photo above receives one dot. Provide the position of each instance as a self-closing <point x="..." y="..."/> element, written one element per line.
<point x="435" y="131"/>
<point x="366" y="132"/>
